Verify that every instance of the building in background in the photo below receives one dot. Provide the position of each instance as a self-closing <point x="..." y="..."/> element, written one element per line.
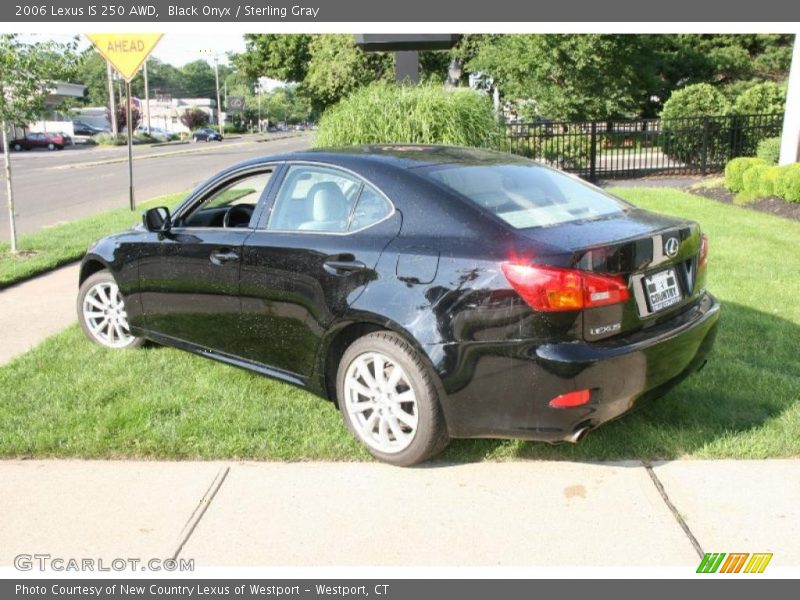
<point x="165" y="113"/>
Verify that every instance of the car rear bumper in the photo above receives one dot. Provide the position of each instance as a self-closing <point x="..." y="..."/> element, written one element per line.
<point x="504" y="390"/>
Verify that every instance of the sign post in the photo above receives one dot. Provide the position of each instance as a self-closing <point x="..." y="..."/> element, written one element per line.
<point x="126" y="52"/>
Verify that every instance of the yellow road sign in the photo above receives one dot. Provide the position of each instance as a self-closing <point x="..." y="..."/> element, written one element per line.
<point x="125" y="51"/>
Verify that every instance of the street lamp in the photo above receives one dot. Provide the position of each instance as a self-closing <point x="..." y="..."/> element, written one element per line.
<point x="220" y="123"/>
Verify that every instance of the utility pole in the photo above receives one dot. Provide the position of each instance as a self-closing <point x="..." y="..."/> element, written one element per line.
<point x="146" y="97"/>
<point x="258" y="95"/>
<point x="220" y="124"/>
<point x="112" y="103"/>
<point x="220" y="118"/>
<point x="790" y="140"/>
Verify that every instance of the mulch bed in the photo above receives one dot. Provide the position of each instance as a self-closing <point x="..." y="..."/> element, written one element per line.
<point x="773" y="206"/>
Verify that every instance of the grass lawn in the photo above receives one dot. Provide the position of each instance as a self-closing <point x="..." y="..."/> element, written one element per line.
<point x="70" y="398"/>
<point x="54" y="246"/>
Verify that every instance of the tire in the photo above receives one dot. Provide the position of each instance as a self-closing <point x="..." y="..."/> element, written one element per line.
<point x="17" y="147"/>
<point x="51" y="146"/>
<point x="401" y="433"/>
<point x="101" y="313"/>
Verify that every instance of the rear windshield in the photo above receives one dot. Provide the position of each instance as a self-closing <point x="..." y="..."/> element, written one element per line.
<point x="525" y="195"/>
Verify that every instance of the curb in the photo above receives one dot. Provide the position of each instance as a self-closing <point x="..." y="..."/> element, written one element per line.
<point x="194" y="150"/>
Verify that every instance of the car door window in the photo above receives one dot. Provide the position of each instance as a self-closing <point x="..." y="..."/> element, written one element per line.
<point x="325" y="200"/>
<point x="231" y="206"/>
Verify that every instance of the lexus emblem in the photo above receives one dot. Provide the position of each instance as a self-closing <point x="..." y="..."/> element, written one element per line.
<point x="671" y="247"/>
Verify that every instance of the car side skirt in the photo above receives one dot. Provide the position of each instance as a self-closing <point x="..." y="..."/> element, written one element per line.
<point x="271" y="372"/>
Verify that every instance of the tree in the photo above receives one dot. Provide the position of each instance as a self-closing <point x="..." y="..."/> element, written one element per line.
<point x="194" y="118"/>
<point x="122" y="116"/>
<point x="27" y="72"/>
<point x="328" y="67"/>
<point x="569" y="77"/>
<point x="338" y="67"/>
<point x="761" y="99"/>
<point x="278" y="56"/>
<point x="198" y="81"/>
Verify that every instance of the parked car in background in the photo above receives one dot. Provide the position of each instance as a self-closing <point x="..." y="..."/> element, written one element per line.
<point x="82" y="128"/>
<point x="431" y="292"/>
<point x="206" y="135"/>
<point x="51" y="141"/>
<point x="158" y="133"/>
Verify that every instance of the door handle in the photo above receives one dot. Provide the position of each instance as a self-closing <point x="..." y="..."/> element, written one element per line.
<point x="222" y="256"/>
<point x="343" y="267"/>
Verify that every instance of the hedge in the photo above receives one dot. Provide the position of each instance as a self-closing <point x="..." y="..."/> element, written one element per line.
<point x="385" y="113"/>
<point x="757" y="179"/>
<point x="735" y="170"/>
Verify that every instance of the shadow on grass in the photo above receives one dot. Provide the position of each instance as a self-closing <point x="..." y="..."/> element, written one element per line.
<point x="744" y="404"/>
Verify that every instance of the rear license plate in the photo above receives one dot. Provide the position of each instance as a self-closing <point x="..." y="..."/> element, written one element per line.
<point x="662" y="289"/>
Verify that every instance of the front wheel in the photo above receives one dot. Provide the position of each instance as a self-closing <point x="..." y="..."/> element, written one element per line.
<point x="102" y="314"/>
<point x="388" y="400"/>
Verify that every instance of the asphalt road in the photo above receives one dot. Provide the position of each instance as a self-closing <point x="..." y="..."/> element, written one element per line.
<point x="54" y="187"/>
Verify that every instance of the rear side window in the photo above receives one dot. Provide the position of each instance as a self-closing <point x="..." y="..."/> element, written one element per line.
<point x="321" y="199"/>
<point x="525" y="195"/>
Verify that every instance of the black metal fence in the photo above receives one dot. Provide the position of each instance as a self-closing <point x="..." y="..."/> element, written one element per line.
<point x="630" y="148"/>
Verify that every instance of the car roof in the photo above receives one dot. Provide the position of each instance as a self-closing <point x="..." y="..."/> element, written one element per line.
<point x="406" y="156"/>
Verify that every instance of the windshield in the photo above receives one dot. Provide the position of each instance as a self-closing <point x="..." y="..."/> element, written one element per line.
<point x="525" y="195"/>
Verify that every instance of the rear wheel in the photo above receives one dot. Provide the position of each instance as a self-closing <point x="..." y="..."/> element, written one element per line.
<point x="388" y="400"/>
<point x="17" y="147"/>
<point x="51" y="146"/>
<point x="102" y="314"/>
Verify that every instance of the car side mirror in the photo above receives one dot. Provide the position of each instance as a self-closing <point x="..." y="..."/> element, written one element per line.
<point x="157" y="219"/>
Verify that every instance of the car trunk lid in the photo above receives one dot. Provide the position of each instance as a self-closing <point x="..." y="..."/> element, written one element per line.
<point x="656" y="255"/>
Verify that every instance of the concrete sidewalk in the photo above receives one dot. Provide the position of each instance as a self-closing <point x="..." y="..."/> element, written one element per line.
<point x="36" y="309"/>
<point x="520" y="513"/>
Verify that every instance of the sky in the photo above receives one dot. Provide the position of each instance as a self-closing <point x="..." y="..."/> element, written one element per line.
<point x="175" y="48"/>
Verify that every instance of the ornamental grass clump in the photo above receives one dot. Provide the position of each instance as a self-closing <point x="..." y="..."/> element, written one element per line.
<point x="385" y="113"/>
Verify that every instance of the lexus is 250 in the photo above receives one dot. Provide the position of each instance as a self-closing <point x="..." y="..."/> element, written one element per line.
<point x="431" y="292"/>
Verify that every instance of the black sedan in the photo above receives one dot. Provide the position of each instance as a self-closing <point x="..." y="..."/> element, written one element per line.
<point x="431" y="292"/>
<point x="207" y="135"/>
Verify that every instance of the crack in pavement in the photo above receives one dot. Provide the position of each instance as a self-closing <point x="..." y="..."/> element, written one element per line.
<point x="199" y="511"/>
<point x="681" y="521"/>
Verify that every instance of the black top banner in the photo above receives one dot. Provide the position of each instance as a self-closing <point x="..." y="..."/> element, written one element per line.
<point x="277" y="11"/>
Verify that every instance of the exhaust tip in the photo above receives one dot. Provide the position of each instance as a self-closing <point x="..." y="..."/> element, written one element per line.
<point x="577" y="436"/>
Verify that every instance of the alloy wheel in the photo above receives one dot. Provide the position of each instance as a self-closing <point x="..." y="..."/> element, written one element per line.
<point x="105" y="316"/>
<point x="380" y="402"/>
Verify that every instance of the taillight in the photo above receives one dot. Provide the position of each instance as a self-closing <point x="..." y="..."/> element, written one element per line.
<point x="571" y="399"/>
<point x="555" y="289"/>
<point x="703" y="258"/>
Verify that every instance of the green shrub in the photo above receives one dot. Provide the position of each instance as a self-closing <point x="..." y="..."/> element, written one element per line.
<point x="787" y="185"/>
<point x="384" y="113"/>
<point x="108" y="139"/>
<point x="682" y="118"/>
<point x="760" y="181"/>
<point x="761" y="99"/>
<point x="697" y="100"/>
<point x="769" y="150"/>
<point x="736" y="169"/>
<point x="143" y="138"/>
